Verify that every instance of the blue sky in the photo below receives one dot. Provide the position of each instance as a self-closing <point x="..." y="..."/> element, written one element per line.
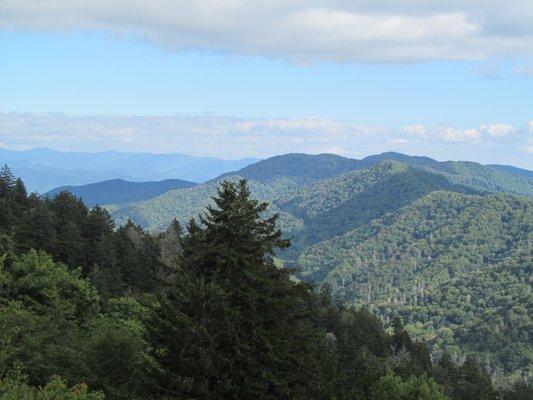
<point x="449" y="87"/>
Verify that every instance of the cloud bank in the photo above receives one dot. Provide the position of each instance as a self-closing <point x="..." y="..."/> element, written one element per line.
<point x="298" y="30"/>
<point x="231" y="137"/>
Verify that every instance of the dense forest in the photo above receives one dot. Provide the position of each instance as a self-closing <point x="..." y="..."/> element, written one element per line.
<point x="393" y="230"/>
<point x="455" y="267"/>
<point x="445" y="245"/>
<point x="89" y="311"/>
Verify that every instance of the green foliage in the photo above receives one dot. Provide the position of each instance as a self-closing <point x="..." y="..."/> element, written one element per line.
<point x="455" y="267"/>
<point x="183" y="204"/>
<point x="298" y="168"/>
<point x="335" y="206"/>
<point x="14" y="387"/>
<point x="275" y="178"/>
<point x="211" y="313"/>
<point x="242" y="328"/>
<point x="118" y="261"/>
<point x="392" y="387"/>
<point x="42" y="306"/>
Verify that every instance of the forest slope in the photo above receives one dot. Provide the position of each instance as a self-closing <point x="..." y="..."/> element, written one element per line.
<point x="456" y="267"/>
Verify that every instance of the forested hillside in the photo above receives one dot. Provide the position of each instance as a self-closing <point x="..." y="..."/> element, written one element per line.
<point x="297" y="168"/>
<point x="120" y="191"/>
<point x="330" y="218"/>
<point x="477" y="176"/>
<point x="457" y="268"/>
<point x="89" y="312"/>
<point x="268" y="179"/>
<point x="513" y="170"/>
<point x="334" y="206"/>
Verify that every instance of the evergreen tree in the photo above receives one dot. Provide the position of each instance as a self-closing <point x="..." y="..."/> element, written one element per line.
<point x="7" y="181"/>
<point x="472" y="383"/>
<point x="247" y="327"/>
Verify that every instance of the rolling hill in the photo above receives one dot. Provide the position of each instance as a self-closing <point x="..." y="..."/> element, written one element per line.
<point x="267" y="179"/>
<point x="118" y="191"/>
<point x="333" y="206"/>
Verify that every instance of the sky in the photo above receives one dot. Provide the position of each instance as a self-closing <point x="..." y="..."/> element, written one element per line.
<point x="448" y="79"/>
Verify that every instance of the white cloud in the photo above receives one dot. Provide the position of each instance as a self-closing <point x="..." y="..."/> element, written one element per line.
<point x="231" y="137"/>
<point x="459" y="135"/>
<point x="298" y="30"/>
<point x="497" y="130"/>
<point x="418" y="130"/>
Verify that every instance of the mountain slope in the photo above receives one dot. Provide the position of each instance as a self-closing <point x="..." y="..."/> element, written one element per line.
<point x="525" y="173"/>
<point x="298" y="168"/>
<point x="269" y="179"/>
<point x="456" y="267"/>
<point x="274" y="178"/>
<point x="474" y="175"/>
<point x="333" y="206"/>
<point x="44" y="169"/>
<point x="417" y="237"/>
<point x="121" y="191"/>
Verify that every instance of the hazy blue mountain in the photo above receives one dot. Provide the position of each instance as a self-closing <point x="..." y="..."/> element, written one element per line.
<point x="512" y="170"/>
<point x="43" y="169"/>
<point x="118" y="191"/>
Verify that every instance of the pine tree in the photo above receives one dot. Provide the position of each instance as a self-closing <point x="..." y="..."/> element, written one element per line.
<point x="247" y="330"/>
<point x="7" y="181"/>
<point x="473" y="383"/>
<point x="7" y="213"/>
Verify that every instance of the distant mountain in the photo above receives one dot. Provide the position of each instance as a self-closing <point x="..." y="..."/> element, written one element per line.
<point x="269" y="179"/>
<point x="277" y="177"/>
<point x="118" y="191"/>
<point x="512" y="170"/>
<point x="477" y="176"/>
<point x="43" y="169"/>
<point x="331" y="207"/>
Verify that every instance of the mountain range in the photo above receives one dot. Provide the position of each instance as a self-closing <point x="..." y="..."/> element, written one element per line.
<point x="43" y="169"/>
<point x="276" y="178"/>
<point x="445" y="245"/>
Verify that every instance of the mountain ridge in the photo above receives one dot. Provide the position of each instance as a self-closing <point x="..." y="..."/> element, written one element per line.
<point x="45" y="169"/>
<point x="120" y="191"/>
<point x="268" y="183"/>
